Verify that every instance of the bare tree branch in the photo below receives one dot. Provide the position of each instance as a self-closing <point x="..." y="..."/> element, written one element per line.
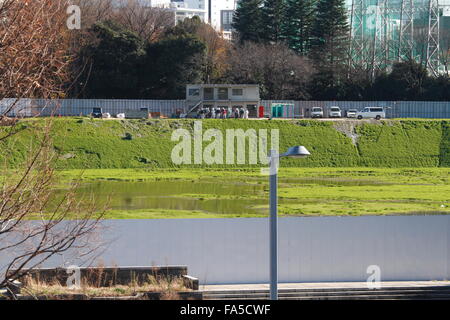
<point x="36" y="223"/>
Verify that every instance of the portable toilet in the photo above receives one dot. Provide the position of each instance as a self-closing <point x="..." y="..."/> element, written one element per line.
<point x="282" y="110"/>
<point x="277" y="110"/>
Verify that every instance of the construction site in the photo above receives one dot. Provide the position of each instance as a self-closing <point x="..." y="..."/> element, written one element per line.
<point x="387" y="31"/>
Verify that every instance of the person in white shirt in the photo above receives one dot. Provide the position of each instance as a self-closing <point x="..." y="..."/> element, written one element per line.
<point x="236" y="113"/>
<point x="241" y="112"/>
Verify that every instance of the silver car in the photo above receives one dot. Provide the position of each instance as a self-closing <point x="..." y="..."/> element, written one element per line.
<point x="317" y="112"/>
<point x="351" y="113"/>
<point x="335" y="112"/>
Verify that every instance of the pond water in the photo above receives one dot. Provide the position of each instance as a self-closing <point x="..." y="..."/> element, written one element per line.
<point x="177" y="195"/>
<point x="209" y="196"/>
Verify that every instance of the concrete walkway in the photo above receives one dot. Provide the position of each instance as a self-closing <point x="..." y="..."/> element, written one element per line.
<point x="323" y="285"/>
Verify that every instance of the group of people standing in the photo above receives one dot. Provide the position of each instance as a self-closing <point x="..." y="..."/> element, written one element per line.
<point x="223" y="113"/>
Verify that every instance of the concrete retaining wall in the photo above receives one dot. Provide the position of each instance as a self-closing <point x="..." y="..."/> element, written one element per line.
<point x="220" y="251"/>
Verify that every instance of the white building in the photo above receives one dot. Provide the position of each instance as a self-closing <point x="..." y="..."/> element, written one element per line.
<point x="188" y="9"/>
<point x="218" y="13"/>
<point x="223" y="96"/>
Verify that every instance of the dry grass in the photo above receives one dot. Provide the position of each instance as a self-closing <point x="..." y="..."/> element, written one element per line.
<point x="169" y="288"/>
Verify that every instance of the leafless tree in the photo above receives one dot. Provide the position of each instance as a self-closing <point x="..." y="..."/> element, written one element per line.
<point x="33" y="44"/>
<point x="93" y="11"/>
<point x="149" y="23"/>
<point x="281" y="72"/>
<point x="217" y="55"/>
<point x="35" y="224"/>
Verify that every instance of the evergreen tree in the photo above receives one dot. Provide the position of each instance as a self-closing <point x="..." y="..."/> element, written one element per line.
<point x="171" y="63"/>
<point x="247" y="20"/>
<point x="273" y="16"/>
<point x="329" y="49"/>
<point x="330" y="33"/>
<point x="298" y="24"/>
<point x="115" y="60"/>
<point x="406" y="81"/>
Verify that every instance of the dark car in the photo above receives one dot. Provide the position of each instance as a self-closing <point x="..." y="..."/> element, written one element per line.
<point x="96" y="112"/>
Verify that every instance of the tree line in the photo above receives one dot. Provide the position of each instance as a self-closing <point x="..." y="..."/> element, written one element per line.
<point x="294" y="49"/>
<point x="318" y="30"/>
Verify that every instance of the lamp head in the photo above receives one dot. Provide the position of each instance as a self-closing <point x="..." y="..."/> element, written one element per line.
<point x="296" y="152"/>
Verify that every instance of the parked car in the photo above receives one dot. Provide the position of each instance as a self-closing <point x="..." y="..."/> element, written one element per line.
<point x="351" y="113"/>
<point x="335" y="112"/>
<point x="317" y="112"/>
<point x="371" y="113"/>
<point x="96" y="112"/>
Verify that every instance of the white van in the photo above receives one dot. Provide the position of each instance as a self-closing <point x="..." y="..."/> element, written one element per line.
<point x="317" y="112"/>
<point x="371" y="113"/>
<point x="335" y="112"/>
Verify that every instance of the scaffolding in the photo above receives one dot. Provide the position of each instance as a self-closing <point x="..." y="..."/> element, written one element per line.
<point x="405" y="37"/>
<point x="433" y="37"/>
<point x="387" y="31"/>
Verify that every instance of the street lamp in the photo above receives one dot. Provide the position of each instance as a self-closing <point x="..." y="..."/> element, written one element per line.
<point x="293" y="152"/>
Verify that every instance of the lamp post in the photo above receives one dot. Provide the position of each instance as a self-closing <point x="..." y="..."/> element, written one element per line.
<point x="293" y="152"/>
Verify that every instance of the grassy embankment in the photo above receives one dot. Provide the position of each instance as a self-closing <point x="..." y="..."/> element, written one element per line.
<point x="98" y="144"/>
<point x="388" y="167"/>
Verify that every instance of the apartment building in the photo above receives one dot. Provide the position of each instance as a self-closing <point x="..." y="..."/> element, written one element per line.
<point x="189" y="8"/>
<point x="218" y="13"/>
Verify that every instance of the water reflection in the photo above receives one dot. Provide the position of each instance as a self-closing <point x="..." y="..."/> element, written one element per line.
<point x="226" y="198"/>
